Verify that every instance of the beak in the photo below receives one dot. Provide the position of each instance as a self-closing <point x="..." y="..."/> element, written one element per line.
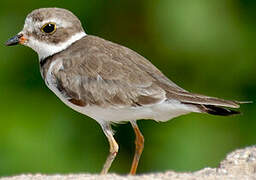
<point x="18" y="39"/>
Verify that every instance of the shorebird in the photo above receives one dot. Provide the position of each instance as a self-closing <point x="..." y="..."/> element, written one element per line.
<point x="106" y="81"/>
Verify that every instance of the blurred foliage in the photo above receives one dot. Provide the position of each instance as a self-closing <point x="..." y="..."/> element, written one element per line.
<point x="206" y="47"/>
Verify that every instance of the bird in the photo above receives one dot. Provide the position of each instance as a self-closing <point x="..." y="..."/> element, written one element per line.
<point x="106" y="81"/>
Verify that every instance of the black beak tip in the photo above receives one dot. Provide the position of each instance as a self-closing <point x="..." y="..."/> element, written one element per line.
<point x="13" y="41"/>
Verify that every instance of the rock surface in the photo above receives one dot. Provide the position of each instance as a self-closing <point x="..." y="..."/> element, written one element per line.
<point x="238" y="165"/>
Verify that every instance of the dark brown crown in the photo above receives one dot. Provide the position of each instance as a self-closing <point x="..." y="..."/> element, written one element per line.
<point x="62" y="33"/>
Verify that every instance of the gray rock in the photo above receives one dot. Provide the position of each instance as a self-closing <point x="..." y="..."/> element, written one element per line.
<point x="238" y="165"/>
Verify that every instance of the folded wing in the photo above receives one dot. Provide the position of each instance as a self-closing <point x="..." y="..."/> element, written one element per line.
<point x="107" y="74"/>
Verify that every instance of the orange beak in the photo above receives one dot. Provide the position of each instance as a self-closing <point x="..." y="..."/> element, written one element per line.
<point x="18" y="39"/>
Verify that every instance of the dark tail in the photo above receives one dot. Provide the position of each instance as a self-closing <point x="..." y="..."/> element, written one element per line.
<point x="221" y="111"/>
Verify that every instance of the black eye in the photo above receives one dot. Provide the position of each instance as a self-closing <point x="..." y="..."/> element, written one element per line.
<point x="49" y="28"/>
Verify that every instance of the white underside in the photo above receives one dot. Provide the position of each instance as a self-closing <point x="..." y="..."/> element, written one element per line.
<point x="162" y="111"/>
<point x="159" y="112"/>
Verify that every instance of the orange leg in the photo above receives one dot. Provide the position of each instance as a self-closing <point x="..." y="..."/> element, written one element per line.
<point x="139" y="145"/>
<point x="113" y="148"/>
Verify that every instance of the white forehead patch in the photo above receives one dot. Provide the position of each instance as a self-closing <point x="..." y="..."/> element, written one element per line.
<point x="44" y="49"/>
<point x="28" y="26"/>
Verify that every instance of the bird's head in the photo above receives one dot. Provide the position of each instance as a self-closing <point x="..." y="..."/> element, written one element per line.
<point x="48" y="31"/>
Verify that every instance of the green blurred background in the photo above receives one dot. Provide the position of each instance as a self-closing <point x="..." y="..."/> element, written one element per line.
<point x="205" y="47"/>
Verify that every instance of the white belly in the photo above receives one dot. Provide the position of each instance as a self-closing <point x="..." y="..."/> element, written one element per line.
<point x="160" y="112"/>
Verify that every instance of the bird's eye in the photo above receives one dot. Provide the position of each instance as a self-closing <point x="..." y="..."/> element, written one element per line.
<point x="49" y="28"/>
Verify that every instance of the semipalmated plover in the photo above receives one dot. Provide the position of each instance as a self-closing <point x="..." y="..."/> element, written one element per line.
<point x="106" y="81"/>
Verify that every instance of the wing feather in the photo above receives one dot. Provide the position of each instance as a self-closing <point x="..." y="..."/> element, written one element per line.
<point x="107" y="74"/>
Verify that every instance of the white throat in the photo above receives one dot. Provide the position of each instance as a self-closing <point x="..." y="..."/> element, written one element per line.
<point x="44" y="49"/>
